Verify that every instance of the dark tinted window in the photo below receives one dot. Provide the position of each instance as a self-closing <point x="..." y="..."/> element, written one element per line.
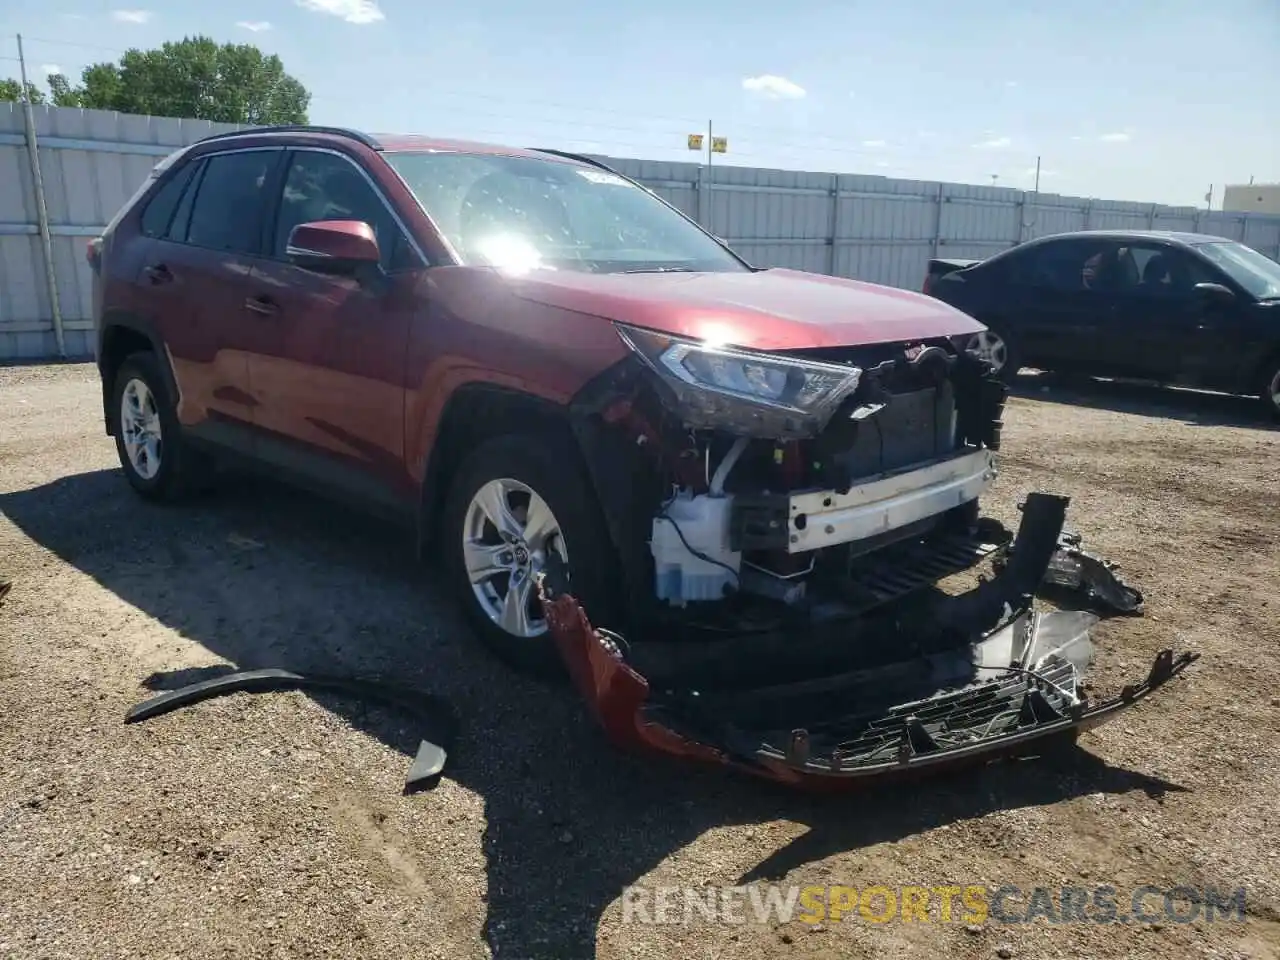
<point x="1154" y="270"/>
<point x="230" y="199"/>
<point x="158" y="213"/>
<point x="1067" y="265"/>
<point x="323" y="186"/>
<point x="182" y="216"/>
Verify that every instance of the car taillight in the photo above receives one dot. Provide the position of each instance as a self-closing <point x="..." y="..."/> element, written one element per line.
<point x="93" y="253"/>
<point x="928" y="284"/>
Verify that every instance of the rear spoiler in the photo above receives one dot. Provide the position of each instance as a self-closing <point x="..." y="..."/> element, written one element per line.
<point x="942" y="266"/>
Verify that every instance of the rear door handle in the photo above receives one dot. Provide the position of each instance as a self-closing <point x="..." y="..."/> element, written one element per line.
<point x="262" y="305"/>
<point x="158" y="273"/>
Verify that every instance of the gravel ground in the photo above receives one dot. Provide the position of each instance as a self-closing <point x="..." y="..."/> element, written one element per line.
<point x="274" y="826"/>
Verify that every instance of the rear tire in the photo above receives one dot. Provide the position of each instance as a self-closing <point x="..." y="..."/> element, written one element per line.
<point x="1270" y="393"/>
<point x="483" y="567"/>
<point x="156" y="461"/>
<point x="998" y="348"/>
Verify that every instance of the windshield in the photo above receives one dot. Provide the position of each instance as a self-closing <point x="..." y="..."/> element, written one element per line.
<point x="522" y="213"/>
<point x="1258" y="274"/>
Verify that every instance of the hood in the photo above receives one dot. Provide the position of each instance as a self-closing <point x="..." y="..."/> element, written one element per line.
<point x="775" y="309"/>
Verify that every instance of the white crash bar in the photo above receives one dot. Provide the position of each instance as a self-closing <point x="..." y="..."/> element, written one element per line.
<point x="824" y="518"/>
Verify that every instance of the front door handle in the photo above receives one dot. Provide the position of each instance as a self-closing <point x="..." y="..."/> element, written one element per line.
<point x="158" y="273"/>
<point x="264" y="306"/>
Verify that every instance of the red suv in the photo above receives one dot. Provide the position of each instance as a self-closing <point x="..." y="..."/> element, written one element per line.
<point x="577" y="396"/>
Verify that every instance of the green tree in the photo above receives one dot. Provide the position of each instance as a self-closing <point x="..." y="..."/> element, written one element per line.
<point x="61" y="92"/>
<point x="11" y="91"/>
<point x="195" y="78"/>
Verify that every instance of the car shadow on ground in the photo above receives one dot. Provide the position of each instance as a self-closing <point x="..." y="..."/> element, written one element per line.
<point x="263" y="576"/>
<point x="1199" y="408"/>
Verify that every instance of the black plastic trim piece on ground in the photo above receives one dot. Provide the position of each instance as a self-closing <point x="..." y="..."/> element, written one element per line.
<point x="432" y="754"/>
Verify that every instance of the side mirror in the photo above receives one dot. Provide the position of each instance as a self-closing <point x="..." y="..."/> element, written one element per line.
<point x="1215" y="292"/>
<point x="333" y="246"/>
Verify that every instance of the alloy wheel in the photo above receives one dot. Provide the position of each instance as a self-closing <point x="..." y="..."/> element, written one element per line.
<point x="507" y="537"/>
<point x="140" y="429"/>
<point x="990" y="346"/>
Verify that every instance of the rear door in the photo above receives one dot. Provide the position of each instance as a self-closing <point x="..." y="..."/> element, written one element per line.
<point x="330" y="381"/>
<point x="196" y="274"/>
<point x="1056" y="307"/>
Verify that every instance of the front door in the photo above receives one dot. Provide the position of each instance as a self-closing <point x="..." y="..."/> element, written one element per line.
<point x="1175" y="333"/>
<point x="330" y="382"/>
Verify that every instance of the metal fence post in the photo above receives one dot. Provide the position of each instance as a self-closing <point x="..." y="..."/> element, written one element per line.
<point x="42" y="212"/>
<point x="704" y="198"/>
<point x="833" y="259"/>
<point x="938" y="201"/>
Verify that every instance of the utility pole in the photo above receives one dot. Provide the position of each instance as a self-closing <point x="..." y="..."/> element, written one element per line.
<point x="710" y="141"/>
<point x="42" y="211"/>
<point x="1037" y="190"/>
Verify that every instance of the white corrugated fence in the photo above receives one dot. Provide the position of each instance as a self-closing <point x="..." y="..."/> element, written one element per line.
<point x="852" y="225"/>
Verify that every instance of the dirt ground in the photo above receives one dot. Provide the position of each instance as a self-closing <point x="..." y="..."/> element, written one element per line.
<point x="273" y="825"/>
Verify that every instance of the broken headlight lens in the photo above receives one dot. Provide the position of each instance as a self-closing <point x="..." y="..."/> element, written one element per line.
<point x="758" y="393"/>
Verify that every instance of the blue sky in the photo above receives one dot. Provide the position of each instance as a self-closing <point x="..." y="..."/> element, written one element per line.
<point x="1147" y="100"/>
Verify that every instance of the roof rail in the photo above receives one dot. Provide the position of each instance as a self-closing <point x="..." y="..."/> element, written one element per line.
<point x="356" y="135"/>
<point x="580" y="157"/>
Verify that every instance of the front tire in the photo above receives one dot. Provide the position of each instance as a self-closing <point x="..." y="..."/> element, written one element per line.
<point x="513" y="503"/>
<point x="156" y="462"/>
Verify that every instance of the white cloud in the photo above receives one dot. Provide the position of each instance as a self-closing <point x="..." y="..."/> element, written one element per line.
<point x="1077" y="138"/>
<point x="773" y="87"/>
<point x="882" y="164"/>
<point x="995" y="143"/>
<point x="50" y="68"/>
<point x="1011" y="83"/>
<point x="874" y="144"/>
<point x="1114" y="138"/>
<point x="131" y="16"/>
<point x="254" y="26"/>
<point x="352" y="11"/>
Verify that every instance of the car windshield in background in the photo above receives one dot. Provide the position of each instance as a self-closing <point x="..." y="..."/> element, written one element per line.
<point x="524" y="213"/>
<point x="1258" y="274"/>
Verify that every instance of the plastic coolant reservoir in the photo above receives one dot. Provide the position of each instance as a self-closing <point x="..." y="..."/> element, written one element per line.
<point x="681" y="575"/>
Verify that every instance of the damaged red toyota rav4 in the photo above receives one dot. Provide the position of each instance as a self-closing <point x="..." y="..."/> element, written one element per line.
<point x="721" y="497"/>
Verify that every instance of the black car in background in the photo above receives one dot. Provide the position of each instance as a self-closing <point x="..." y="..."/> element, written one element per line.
<point x="1173" y="308"/>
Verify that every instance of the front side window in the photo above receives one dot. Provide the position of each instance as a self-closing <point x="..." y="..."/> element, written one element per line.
<point x="1158" y="271"/>
<point x="229" y="201"/>
<point x="521" y="213"/>
<point x="1258" y="274"/>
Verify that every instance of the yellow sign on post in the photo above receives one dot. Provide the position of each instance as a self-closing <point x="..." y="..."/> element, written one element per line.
<point x="719" y="144"/>
<point x="695" y="141"/>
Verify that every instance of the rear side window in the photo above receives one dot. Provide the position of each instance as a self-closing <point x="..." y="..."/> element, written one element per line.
<point x="182" y="216"/>
<point x="158" y="213"/>
<point x="227" y="214"/>
<point x="1065" y="266"/>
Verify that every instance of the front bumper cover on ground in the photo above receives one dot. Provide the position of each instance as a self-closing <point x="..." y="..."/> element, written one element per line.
<point x="1007" y="682"/>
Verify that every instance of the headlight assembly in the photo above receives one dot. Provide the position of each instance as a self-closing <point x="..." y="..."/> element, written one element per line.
<point x="756" y="394"/>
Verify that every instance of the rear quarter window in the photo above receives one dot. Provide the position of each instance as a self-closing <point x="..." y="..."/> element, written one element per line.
<point x="159" y="210"/>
